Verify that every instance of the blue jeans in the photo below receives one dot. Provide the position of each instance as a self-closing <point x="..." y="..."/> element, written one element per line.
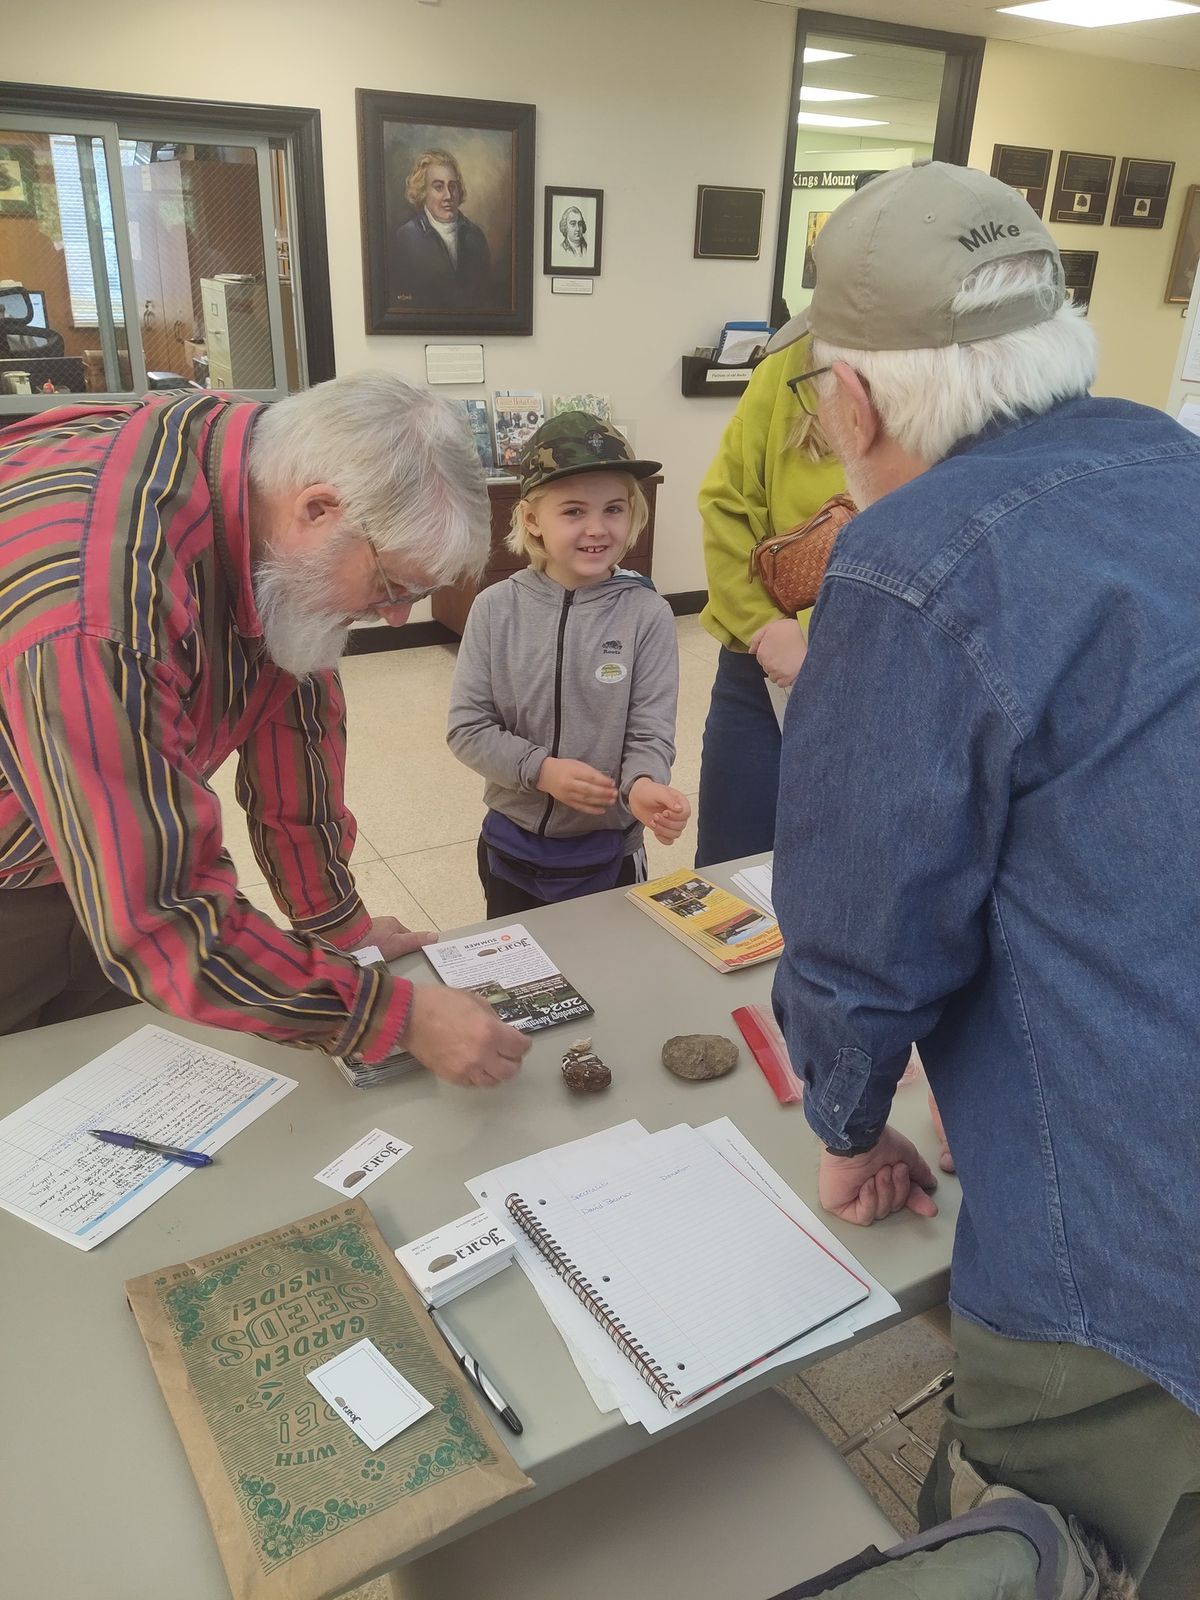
<point x="739" y="764"/>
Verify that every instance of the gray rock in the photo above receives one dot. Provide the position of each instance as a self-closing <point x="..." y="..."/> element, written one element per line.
<point x="700" y="1055"/>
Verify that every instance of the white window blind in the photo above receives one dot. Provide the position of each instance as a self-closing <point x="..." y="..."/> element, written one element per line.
<point x="73" y="219"/>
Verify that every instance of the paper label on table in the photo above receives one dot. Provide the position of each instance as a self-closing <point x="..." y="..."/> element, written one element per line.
<point x="368" y="956"/>
<point x="369" y="1394"/>
<point x="374" y="1153"/>
<point x="156" y="1084"/>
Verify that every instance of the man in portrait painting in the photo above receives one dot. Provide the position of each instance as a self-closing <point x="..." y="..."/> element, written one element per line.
<point x="440" y="258"/>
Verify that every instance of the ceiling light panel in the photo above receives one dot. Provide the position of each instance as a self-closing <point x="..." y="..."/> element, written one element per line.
<point x="819" y="119"/>
<point x="1099" y="13"/>
<point x="811" y="92"/>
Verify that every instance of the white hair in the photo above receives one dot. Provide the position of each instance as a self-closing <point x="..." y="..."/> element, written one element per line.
<point x="400" y="458"/>
<point x="928" y="400"/>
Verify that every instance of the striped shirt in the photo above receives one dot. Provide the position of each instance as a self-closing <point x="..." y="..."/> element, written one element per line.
<point x="131" y="665"/>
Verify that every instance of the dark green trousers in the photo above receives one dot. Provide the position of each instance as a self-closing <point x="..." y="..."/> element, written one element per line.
<point x="1086" y="1434"/>
<point x="48" y="970"/>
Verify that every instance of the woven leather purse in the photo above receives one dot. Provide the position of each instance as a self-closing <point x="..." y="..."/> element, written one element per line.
<point x="790" y="568"/>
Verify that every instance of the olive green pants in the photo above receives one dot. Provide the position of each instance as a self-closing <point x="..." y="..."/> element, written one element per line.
<point x="48" y="970"/>
<point x="1086" y="1434"/>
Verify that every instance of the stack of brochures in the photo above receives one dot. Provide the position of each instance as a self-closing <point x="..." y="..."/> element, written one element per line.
<point x="510" y="970"/>
<point x="727" y="932"/>
<point x="454" y="1258"/>
<point x="677" y="1265"/>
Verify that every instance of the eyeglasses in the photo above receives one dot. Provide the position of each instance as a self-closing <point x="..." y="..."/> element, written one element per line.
<point x="403" y="597"/>
<point x="806" y="397"/>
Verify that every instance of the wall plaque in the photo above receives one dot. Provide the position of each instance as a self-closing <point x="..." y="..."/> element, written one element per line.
<point x="1024" y="169"/>
<point x="1142" y="191"/>
<point x="1079" y="269"/>
<point x="1081" y="187"/>
<point x="728" y="223"/>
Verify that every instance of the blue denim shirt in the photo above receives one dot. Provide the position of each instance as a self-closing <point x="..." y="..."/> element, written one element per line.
<point x="989" y="842"/>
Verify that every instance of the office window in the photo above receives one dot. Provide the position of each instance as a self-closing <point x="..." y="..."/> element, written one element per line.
<point x="137" y="256"/>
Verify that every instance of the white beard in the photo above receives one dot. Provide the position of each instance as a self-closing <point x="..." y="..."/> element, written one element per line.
<point x="299" y="634"/>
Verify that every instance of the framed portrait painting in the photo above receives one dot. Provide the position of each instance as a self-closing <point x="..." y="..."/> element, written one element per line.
<point x="573" y="224"/>
<point x="447" y="213"/>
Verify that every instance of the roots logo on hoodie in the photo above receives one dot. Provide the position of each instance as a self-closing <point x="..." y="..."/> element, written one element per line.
<point x="612" y="672"/>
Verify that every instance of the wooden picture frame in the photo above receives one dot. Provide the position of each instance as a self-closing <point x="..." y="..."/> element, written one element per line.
<point x="1182" y="277"/>
<point x="467" y="265"/>
<point x="573" y="228"/>
<point x="17" y="177"/>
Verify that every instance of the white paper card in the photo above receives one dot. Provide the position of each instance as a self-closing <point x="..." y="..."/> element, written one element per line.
<point x="374" y="1153"/>
<point x="1189" y="416"/>
<point x="454" y="363"/>
<point x="368" y="955"/>
<point x="365" y="1389"/>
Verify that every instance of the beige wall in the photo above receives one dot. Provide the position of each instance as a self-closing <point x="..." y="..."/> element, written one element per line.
<point x="1033" y="96"/>
<point x="634" y="97"/>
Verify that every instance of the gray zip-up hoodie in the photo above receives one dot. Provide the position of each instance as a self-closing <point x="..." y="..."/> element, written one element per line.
<point x="585" y="674"/>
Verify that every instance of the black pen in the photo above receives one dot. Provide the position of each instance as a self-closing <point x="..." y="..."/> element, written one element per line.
<point x="478" y="1377"/>
<point x="130" y="1141"/>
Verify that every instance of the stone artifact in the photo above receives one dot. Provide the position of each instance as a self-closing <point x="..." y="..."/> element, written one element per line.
<point x="582" y="1069"/>
<point x="699" y="1055"/>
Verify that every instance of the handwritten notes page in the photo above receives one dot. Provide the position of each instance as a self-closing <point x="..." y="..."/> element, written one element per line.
<point x="155" y="1084"/>
<point x="708" y="1275"/>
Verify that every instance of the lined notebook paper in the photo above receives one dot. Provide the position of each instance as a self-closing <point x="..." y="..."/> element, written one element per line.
<point x="692" y="1271"/>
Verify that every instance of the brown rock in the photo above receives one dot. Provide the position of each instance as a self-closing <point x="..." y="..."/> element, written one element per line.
<point x="582" y="1069"/>
<point x="700" y="1055"/>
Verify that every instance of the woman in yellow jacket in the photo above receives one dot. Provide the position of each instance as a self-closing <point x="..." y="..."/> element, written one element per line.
<point x="771" y="472"/>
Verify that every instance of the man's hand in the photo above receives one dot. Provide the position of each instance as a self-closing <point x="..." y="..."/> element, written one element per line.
<point x="577" y="785"/>
<point x="662" y="809"/>
<point x="890" y="1177"/>
<point x="459" y="1037"/>
<point x="780" y="648"/>
<point x="393" y="940"/>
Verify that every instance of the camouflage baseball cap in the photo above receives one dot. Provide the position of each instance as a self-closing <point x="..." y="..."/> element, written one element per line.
<point x="575" y="442"/>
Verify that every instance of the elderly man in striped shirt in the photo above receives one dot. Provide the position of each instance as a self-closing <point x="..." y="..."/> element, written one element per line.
<point x="177" y="582"/>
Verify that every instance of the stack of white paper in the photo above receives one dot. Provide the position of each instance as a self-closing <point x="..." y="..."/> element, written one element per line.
<point x="755" y="883"/>
<point x="611" y="1378"/>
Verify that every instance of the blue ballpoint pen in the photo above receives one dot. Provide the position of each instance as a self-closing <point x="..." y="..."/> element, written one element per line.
<point x="130" y="1141"/>
<point x="477" y="1376"/>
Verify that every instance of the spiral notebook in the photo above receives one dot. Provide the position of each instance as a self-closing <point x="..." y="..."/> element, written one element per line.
<point x="694" y="1273"/>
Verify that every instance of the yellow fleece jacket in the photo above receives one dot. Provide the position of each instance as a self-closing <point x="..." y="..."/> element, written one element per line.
<point x="757" y="486"/>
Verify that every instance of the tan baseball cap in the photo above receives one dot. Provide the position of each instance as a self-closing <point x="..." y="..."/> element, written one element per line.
<point x="892" y="257"/>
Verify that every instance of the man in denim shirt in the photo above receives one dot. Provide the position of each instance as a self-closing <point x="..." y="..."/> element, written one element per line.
<point x="989" y="841"/>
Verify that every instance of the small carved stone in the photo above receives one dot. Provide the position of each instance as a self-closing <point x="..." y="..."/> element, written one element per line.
<point x="582" y="1069"/>
<point x="699" y="1055"/>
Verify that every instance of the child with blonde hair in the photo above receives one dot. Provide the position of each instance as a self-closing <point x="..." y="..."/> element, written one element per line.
<point x="565" y="691"/>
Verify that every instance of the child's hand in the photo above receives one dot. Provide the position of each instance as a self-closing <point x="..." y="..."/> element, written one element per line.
<point x="577" y="785"/>
<point x="780" y="648"/>
<point x="662" y="809"/>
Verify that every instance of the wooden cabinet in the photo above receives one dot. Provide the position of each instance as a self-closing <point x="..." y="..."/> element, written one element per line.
<point x="451" y="605"/>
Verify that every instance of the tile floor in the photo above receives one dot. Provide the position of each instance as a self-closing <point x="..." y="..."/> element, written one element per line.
<point x="418" y="814"/>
